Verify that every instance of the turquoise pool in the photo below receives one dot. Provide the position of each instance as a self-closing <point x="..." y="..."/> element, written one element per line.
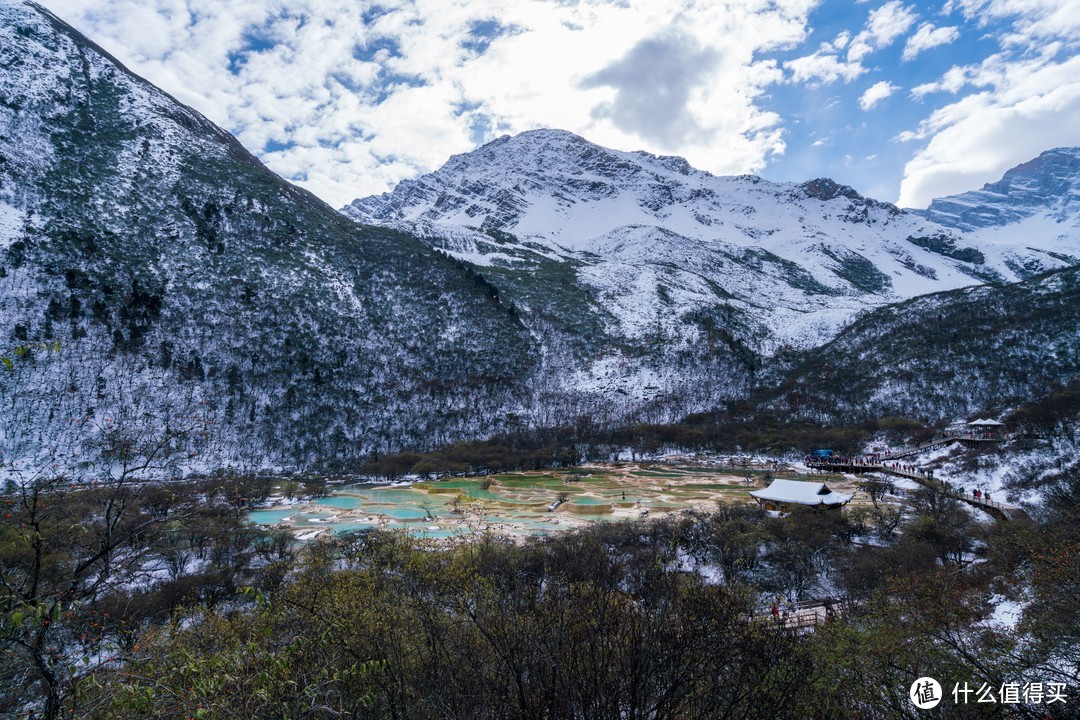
<point x="510" y="503"/>
<point x="270" y="517"/>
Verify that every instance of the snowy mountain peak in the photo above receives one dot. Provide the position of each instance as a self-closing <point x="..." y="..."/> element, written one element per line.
<point x="494" y="186"/>
<point x="559" y="152"/>
<point x="648" y="241"/>
<point x="1046" y="188"/>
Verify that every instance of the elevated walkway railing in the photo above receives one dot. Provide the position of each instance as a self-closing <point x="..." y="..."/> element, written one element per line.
<point x="941" y="442"/>
<point x="998" y="509"/>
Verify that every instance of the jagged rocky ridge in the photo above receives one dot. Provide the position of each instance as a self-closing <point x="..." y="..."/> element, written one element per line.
<point x="1040" y="197"/>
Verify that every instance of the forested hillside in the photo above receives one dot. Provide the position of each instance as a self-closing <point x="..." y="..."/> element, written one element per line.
<point x="980" y="349"/>
<point x="180" y="283"/>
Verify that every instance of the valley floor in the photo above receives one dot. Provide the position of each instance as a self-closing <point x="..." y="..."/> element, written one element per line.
<point x="522" y="504"/>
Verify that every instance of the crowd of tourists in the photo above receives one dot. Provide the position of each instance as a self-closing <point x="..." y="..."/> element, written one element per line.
<point x="873" y="460"/>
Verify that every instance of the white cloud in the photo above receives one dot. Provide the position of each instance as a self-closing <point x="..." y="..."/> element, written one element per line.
<point x="858" y="49"/>
<point x="839" y="43"/>
<point x="350" y="98"/>
<point x="883" y="26"/>
<point x="1032" y="19"/>
<point x="927" y="37"/>
<point x="954" y="79"/>
<point x="1025" y="99"/>
<point x="889" y="22"/>
<point x="824" y="68"/>
<point x="876" y="93"/>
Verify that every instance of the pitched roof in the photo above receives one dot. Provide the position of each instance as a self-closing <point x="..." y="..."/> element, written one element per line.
<point x="801" y="493"/>
<point x="986" y="423"/>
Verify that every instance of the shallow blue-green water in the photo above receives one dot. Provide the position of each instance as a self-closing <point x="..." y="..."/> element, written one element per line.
<point x="269" y="517"/>
<point x="519" y="505"/>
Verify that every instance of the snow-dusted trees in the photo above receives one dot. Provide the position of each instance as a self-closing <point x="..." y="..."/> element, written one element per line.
<point x="73" y="532"/>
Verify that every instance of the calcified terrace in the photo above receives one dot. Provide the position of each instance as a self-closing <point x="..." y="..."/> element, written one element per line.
<point x="528" y="503"/>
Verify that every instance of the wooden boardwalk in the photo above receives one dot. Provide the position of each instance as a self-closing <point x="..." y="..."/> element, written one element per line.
<point x="963" y="438"/>
<point x="1000" y="510"/>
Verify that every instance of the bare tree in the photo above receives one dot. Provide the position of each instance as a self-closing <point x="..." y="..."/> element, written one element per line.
<point x="877" y="488"/>
<point x="73" y="531"/>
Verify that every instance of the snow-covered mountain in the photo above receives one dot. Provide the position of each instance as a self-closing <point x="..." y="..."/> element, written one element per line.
<point x="1039" y="198"/>
<point x="181" y="285"/>
<point x="651" y="243"/>
<point x="183" y="288"/>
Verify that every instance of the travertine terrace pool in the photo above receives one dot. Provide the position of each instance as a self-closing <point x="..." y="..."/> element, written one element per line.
<point x="518" y="504"/>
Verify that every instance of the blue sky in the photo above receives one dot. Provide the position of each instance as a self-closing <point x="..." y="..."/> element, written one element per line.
<point x="905" y="101"/>
<point x="867" y="144"/>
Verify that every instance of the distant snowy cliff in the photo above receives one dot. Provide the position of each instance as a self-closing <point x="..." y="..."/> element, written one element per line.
<point x="1045" y="190"/>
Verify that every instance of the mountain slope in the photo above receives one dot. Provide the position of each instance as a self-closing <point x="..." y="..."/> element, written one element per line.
<point x="652" y="240"/>
<point x="942" y="356"/>
<point x="177" y="272"/>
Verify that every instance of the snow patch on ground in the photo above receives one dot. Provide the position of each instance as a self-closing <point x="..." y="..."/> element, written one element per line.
<point x="1006" y="613"/>
<point x="11" y="223"/>
<point x="1016" y="471"/>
